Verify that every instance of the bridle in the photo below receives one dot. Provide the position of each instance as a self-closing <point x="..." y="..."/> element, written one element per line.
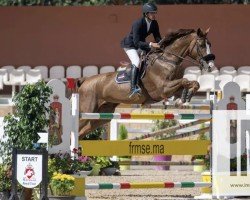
<point x="201" y="62"/>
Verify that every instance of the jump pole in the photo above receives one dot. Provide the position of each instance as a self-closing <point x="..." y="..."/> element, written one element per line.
<point x="173" y="147"/>
<point x="144" y="116"/>
<point x="161" y="163"/>
<point x="147" y="185"/>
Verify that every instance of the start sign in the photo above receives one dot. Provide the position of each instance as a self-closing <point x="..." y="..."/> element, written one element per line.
<point x="29" y="170"/>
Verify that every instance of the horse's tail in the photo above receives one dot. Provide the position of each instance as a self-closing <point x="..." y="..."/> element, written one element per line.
<point x="79" y="82"/>
<point x="73" y="86"/>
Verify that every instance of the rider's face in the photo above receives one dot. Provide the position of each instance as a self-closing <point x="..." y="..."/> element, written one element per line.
<point x="152" y="15"/>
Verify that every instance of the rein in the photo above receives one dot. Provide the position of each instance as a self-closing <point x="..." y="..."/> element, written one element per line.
<point x="193" y="61"/>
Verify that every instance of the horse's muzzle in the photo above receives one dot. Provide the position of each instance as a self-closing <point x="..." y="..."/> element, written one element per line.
<point x="207" y="62"/>
<point x="208" y="57"/>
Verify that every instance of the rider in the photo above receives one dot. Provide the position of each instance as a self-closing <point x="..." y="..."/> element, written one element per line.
<point x="135" y="41"/>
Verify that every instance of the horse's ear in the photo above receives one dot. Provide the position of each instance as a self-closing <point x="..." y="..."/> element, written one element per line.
<point x="200" y="32"/>
<point x="206" y="32"/>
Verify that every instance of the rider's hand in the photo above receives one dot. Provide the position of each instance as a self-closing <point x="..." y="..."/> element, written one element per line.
<point x="154" y="45"/>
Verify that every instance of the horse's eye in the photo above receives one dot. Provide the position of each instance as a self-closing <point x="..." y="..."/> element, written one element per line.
<point x="203" y="45"/>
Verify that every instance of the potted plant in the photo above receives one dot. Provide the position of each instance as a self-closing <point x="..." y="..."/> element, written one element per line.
<point x="85" y="165"/>
<point x="108" y="167"/>
<point x="60" y="162"/>
<point x="67" y="164"/>
<point x="82" y="165"/>
<point x="123" y="135"/>
<point x="62" y="185"/>
<point x="100" y="163"/>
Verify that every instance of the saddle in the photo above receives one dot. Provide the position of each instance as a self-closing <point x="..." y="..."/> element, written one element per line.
<point x="124" y="73"/>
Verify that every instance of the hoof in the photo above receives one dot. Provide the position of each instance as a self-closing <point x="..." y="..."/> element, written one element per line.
<point x="178" y="103"/>
<point x="189" y="95"/>
<point x="184" y="95"/>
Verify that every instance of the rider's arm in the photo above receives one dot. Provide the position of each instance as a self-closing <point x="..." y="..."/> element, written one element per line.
<point x="136" y="28"/>
<point x="156" y="32"/>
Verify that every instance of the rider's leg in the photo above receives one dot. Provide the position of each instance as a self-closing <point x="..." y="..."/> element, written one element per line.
<point x="134" y="80"/>
<point x="135" y="61"/>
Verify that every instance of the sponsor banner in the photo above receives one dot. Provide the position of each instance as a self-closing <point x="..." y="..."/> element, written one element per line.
<point x="129" y="148"/>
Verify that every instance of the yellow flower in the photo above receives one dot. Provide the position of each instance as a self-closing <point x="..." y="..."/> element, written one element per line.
<point x="62" y="183"/>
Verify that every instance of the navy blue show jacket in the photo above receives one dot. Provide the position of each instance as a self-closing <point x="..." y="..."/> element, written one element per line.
<point x="136" y="39"/>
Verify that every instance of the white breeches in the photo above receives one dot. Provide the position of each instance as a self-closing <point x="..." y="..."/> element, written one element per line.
<point x="133" y="56"/>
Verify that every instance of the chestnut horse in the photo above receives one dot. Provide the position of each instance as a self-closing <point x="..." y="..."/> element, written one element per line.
<point x="163" y="78"/>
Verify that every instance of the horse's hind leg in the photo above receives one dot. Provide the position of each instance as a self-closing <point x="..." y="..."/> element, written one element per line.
<point x="88" y="104"/>
<point x="105" y="107"/>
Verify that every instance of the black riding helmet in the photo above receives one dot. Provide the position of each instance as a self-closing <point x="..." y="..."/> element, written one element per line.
<point x="149" y="8"/>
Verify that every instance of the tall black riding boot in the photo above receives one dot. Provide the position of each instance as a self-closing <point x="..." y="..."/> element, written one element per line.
<point x="134" y="81"/>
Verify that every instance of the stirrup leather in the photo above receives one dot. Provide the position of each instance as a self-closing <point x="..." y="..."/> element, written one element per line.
<point x="136" y="90"/>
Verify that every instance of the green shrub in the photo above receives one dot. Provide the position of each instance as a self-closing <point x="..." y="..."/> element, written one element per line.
<point x="29" y="118"/>
<point x="5" y="181"/>
<point x="96" y="134"/>
<point x="123" y="133"/>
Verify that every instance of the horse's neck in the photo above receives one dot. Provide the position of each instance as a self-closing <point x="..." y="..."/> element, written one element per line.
<point x="162" y="70"/>
<point x="179" y="49"/>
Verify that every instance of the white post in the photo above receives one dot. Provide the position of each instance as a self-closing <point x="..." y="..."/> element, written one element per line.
<point x="248" y="151"/>
<point x="113" y="133"/>
<point x="248" y="135"/>
<point x="208" y="94"/>
<point x="75" y="121"/>
<point x="113" y="129"/>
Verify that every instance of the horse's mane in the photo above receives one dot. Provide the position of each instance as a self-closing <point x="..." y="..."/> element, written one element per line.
<point x="174" y="35"/>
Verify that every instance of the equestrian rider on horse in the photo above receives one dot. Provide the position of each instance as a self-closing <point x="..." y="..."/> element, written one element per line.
<point x="135" y="41"/>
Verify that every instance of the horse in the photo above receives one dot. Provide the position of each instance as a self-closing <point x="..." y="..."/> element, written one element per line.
<point x="163" y="78"/>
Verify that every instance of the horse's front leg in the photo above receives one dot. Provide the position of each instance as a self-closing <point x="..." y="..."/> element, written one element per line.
<point x="190" y="88"/>
<point x="172" y="88"/>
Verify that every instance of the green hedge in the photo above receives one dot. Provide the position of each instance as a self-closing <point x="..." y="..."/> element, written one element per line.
<point x="68" y="2"/>
<point x="111" y="2"/>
